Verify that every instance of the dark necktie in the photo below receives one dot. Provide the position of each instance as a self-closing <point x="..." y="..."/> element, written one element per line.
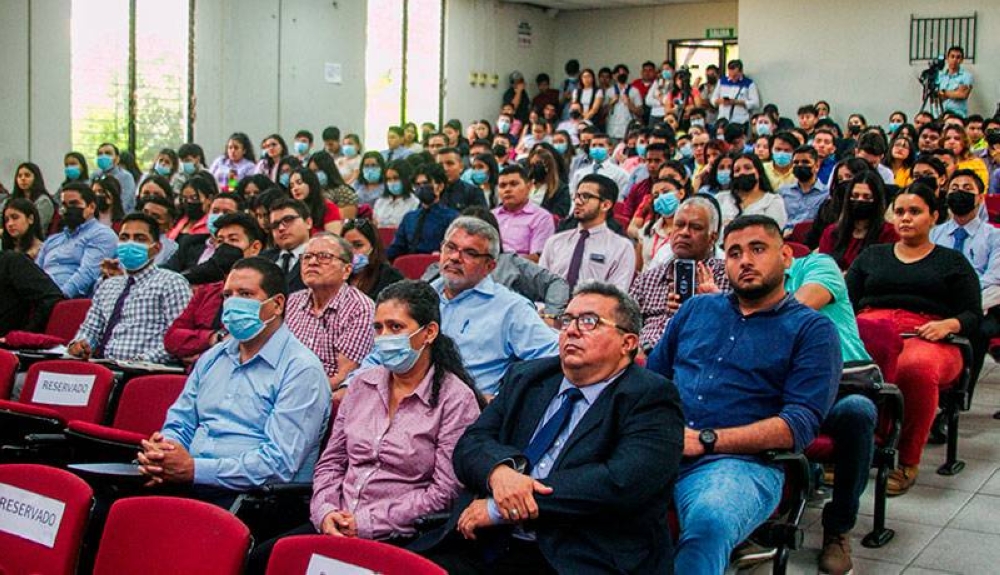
<point x="418" y="230"/>
<point x="547" y="435"/>
<point x="597" y="167"/>
<point x="577" y="260"/>
<point x="960" y="236"/>
<point x="286" y="262"/>
<point x="116" y="316"/>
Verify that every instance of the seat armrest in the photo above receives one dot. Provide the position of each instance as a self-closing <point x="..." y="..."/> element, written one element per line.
<point x="431" y="521"/>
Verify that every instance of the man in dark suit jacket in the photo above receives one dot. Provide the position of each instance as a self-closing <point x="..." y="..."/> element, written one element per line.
<point x="291" y="225"/>
<point x="571" y="467"/>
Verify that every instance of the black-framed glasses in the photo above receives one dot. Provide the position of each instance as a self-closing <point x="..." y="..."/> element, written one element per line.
<point x="587" y="321"/>
<point x="321" y="257"/>
<point x="448" y="248"/>
<point x="585" y="197"/>
<point x="285" y="221"/>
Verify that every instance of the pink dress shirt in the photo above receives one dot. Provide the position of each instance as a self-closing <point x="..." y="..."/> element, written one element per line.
<point x="388" y="472"/>
<point x="526" y="230"/>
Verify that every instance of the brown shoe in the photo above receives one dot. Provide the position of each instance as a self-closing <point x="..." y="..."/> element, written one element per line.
<point x="836" y="556"/>
<point x="828" y="474"/>
<point x="901" y="480"/>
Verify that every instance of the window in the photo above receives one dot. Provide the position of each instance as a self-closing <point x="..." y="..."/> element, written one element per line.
<point x="130" y="80"/>
<point x="930" y="38"/>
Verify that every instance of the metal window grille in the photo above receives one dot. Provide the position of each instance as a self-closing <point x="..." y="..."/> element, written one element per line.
<point x="930" y="38"/>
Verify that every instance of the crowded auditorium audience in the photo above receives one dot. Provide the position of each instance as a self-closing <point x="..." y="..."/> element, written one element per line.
<point x="590" y="226"/>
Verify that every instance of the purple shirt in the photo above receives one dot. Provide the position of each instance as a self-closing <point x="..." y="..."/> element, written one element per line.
<point x="388" y="472"/>
<point x="524" y="231"/>
<point x="222" y="166"/>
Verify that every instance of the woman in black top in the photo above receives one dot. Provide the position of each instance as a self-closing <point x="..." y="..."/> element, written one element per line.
<point x="372" y="272"/>
<point x="925" y="290"/>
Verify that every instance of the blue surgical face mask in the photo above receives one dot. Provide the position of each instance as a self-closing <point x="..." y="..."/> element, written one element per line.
<point x="893" y="126"/>
<point x="697" y="122"/>
<point x="641" y="150"/>
<point x="301" y="147"/>
<point x="322" y="177"/>
<point x="396" y="353"/>
<point x="284" y="179"/>
<point x="560" y="147"/>
<point x="188" y="168"/>
<point x="395" y="187"/>
<point x="359" y="263"/>
<point x="724" y="177"/>
<point x="666" y="204"/>
<point x="503" y="126"/>
<point x="479" y="177"/>
<point x="72" y="172"/>
<point x="666" y="74"/>
<point x="372" y="174"/>
<point x="162" y="170"/>
<point x="349" y="150"/>
<point x="687" y="151"/>
<point x="210" y="223"/>
<point x="241" y="317"/>
<point x="133" y="255"/>
<point x="104" y="162"/>
<point x="598" y="154"/>
<point x="763" y="129"/>
<point x="781" y="159"/>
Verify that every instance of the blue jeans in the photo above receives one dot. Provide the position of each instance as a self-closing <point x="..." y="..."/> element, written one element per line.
<point x="851" y="424"/>
<point x="719" y="504"/>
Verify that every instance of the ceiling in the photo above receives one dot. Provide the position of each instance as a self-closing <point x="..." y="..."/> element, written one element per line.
<point x="595" y="4"/>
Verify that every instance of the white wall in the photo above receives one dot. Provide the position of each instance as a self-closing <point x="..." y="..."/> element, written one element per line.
<point x="633" y="35"/>
<point x="259" y="68"/>
<point x="854" y="53"/>
<point x="481" y="36"/>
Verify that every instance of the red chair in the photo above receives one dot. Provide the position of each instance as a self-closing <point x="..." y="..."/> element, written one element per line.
<point x="142" y="409"/>
<point x="66" y="318"/>
<point x="413" y="266"/>
<point x="8" y="370"/>
<point x="60" y="555"/>
<point x="168" y="535"/>
<point x="45" y="408"/>
<point x="293" y="555"/>
<point x="993" y="207"/>
<point x="800" y="231"/>
<point x="623" y="220"/>
<point x="386" y="235"/>
<point x="799" y="250"/>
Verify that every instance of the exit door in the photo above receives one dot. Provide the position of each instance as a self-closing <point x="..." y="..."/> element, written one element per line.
<point x="697" y="55"/>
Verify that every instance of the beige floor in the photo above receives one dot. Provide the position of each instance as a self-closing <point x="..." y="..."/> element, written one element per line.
<point x="944" y="524"/>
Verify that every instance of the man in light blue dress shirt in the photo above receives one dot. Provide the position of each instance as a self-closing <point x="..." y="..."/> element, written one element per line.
<point x="955" y="84"/>
<point x="253" y="412"/>
<point x="72" y="257"/>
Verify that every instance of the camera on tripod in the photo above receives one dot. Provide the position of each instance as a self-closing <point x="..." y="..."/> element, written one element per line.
<point x="930" y="75"/>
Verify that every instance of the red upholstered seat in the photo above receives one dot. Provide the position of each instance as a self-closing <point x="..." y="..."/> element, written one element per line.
<point x="799" y="250"/>
<point x="386" y="235"/>
<point x="8" y="370"/>
<point x="66" y="318"/>
<point x="291" y="556"/>
<point x="413" y="266"/>
<point x="105" y="433"/>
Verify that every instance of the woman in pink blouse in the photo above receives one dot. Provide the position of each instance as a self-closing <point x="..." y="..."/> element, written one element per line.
<point x="388" y="461"/>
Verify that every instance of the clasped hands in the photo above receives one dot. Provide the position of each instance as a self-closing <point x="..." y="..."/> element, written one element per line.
<point x="164" y="460"/>
<point x="514" y="495"/>
<point x="339" y="524"/>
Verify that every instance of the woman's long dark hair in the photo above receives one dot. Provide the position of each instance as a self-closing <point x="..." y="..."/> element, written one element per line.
<point x="268" y="160"/>
<point x="368" y="278"/>
<point x="763" y="183"/>
<point x="84" y="171"/>
<point x="424" y="306"/>
<point x="404" y="170"/>
<point x="37" y="188"/>
<point x="324" y="163"/>
<point x="111" y="185"/>
<point x="845" y="226"/>
<point x="315" y="199"/>
<point x="26" y="207"/>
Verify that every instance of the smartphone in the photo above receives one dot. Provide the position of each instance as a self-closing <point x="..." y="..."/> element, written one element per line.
<point x="685" y="280"/>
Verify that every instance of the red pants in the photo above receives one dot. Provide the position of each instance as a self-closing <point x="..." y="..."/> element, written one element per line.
<point x="924" y="368"/>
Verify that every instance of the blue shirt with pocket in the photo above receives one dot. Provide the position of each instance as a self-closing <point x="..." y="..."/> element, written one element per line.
<point x="72" y="258"/>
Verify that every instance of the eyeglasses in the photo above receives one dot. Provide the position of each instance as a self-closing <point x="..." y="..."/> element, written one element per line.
<point x="584" y="197"/>
<point x="285" y="221"/>
<point x="587" y="321"/>
<point x="448" y="248"/>
<point x="321" y="257"/>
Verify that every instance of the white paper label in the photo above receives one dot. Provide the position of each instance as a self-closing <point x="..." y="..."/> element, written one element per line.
<point x="30" y="515"/>
<point x="320" y="565"/>
<point x="63" y="389"/>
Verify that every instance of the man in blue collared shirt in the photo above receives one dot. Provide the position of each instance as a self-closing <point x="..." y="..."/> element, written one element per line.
<point x="255" y="407"/>
<point x="72" y="257"/>
<point x="955" y="84"/>
<point x="979" y="242"/>
<point x="756" y="370"/>
<point x="107" y="164"/>
<point x="803" y="198"/>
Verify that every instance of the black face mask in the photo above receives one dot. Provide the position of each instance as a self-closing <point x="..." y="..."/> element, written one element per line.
<point x="802" y="173"/>
<point x="102" y="204"/>
<point x="622" y="78"/>
<point x="72" y="217"/>
<point x="854" y="129"/>
<point x="575" y="114"/>
<point x="426" y="195"/>
<point x="711" y="78"/>
<point x="861" y="210"/>
<point x="744" y="182"/>
<point x="961" y="203"/>
<point x="193" y="210"/>
<point x="538" y="172"/>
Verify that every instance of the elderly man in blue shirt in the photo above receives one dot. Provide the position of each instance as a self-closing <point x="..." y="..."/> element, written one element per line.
<point x="254" y="410"/>
<point x="756" y="370"/>
<point x="72" y="257"/>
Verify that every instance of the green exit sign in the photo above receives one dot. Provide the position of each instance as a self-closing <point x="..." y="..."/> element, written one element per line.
<point x="720" y="33"/>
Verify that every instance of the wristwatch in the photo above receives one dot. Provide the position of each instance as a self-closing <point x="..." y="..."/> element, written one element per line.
<point x="708" y="437"/>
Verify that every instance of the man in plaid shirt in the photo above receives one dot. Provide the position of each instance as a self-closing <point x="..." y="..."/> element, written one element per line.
<point x="330" y="317"/>
<point x="131" y="313"/>
<point x="694" y="237"/>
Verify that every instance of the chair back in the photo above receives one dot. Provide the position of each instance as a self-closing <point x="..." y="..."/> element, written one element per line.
<point x="799" y="250"/>
<point x="66" y="318"/>
<point x="168" y="535"/>
<point x="145" y="400"/>
<point x="800" y="231"/>
<point x="413" y="266"/>
<point x="44" y="536"/>
<point x="73" y="389"/>
<point x="386" y="235"/>
<point x="296" y="555"/>
<point x="8" y="370"/>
